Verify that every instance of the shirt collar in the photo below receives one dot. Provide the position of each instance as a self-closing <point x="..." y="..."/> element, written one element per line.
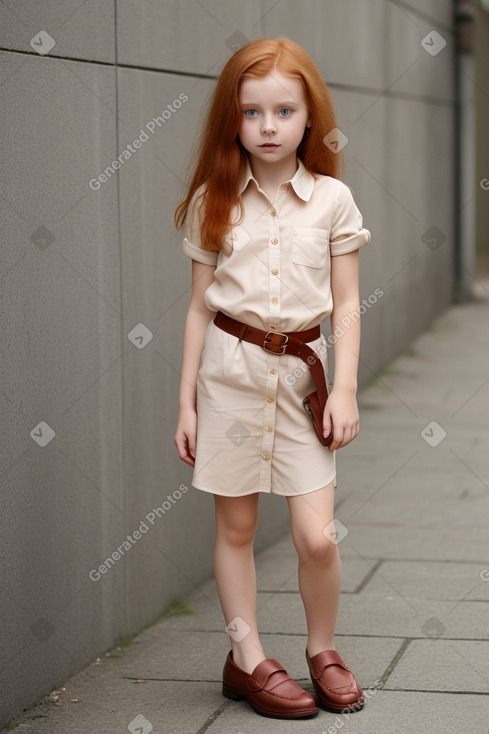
<point x="302" y="181"/>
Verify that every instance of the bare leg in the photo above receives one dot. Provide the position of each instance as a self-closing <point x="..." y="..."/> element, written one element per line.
<point x="319" y="565"/>
<point x="234" y="567"/>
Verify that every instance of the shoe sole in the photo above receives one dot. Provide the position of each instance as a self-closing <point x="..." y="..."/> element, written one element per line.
<point x="349" y="708"/>
<point x="235" y="695"/>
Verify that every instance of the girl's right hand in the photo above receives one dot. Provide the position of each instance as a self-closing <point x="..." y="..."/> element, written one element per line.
<point x="186" y="435"/>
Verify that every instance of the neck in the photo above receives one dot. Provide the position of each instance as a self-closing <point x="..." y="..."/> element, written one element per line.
<point x="271" y="175"/>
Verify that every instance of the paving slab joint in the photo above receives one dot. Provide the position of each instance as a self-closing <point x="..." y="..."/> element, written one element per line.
<point x="395" y="660"/>
<point x="369" y="575"/>
<point x="215" y="715"/>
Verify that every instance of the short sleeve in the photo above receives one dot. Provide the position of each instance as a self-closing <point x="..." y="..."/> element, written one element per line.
<point x="347" y="232"/>
<point x="191" y="243"/>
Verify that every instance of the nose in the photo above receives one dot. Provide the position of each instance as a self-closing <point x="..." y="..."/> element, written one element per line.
<point x="269" y="125"/>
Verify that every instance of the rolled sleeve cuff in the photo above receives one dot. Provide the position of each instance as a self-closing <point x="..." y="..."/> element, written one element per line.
<point x="349" y="244"/>
<point x="348" y="233"/>
<point x="206" y="257"/>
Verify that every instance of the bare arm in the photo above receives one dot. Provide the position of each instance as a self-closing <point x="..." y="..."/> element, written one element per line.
<point x="341" y="409"/>
<point x="198" y="318"/>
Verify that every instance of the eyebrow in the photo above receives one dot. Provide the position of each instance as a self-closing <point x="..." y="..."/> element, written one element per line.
<point x="289" y="103"/>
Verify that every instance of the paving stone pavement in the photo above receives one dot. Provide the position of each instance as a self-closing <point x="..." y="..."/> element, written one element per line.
<point x="413" y="494"/>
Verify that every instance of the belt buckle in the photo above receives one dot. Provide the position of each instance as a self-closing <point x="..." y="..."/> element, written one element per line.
<point x="279" y="348"/>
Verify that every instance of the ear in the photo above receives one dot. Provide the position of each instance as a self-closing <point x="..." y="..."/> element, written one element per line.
<point x="308" y="124"/>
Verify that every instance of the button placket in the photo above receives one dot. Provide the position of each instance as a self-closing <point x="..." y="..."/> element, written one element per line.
<point x="274" y="270"/>
<point x="269" y="410"/>
<point x="268" y="420"/>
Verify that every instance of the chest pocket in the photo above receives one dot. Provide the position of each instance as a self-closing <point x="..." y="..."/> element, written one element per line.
<point x="309" y="246"/>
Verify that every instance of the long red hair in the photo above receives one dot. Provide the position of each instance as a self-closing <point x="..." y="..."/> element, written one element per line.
<point x="222" y="159"/>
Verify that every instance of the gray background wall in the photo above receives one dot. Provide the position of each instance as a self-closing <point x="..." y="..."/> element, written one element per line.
<point x="481" y="93"/>
<point x="81" y="268"/>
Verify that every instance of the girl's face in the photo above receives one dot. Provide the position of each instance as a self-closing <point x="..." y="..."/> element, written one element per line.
<point x="274" y="116"/>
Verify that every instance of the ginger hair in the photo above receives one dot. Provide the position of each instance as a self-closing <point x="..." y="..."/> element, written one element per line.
<point x="222" y="159"/>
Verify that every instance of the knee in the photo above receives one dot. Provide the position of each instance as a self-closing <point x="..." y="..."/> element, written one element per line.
<point x="316" y="549"/>
<point x="239" y="532"/>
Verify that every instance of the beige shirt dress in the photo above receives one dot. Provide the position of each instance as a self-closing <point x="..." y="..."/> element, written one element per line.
<point x="253" y="434"/>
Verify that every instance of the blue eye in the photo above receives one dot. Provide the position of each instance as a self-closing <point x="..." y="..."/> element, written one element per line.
<point x="285" y="110"/>
<point x="250" y="113"/>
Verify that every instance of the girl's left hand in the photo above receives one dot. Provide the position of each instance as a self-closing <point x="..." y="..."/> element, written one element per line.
<point x="341" y="414"/>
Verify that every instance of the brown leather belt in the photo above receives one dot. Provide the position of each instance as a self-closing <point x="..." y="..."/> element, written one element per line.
<point x="276" y="342"/>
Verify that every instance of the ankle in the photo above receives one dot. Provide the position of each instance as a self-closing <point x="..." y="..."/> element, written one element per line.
<point x="247" y="660"/>
<point x="313" y="648"/>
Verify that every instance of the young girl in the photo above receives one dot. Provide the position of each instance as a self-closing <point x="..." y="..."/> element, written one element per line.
<point x="274" y="236"/>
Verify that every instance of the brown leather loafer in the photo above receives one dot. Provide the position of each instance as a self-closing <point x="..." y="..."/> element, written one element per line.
<point x="335" y="691"/>
<point x="268" y="689"/>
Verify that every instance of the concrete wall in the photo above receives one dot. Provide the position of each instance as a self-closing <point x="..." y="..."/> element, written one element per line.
<point x="89" y="405"/>
<point x="481" y="93"/>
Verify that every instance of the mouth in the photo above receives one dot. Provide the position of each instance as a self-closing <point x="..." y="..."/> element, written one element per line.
<point x="269" y="146"/>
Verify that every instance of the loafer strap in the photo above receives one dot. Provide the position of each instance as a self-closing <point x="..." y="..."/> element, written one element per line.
<point x="323" y="659"/>
<point x="263" y="671"/>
